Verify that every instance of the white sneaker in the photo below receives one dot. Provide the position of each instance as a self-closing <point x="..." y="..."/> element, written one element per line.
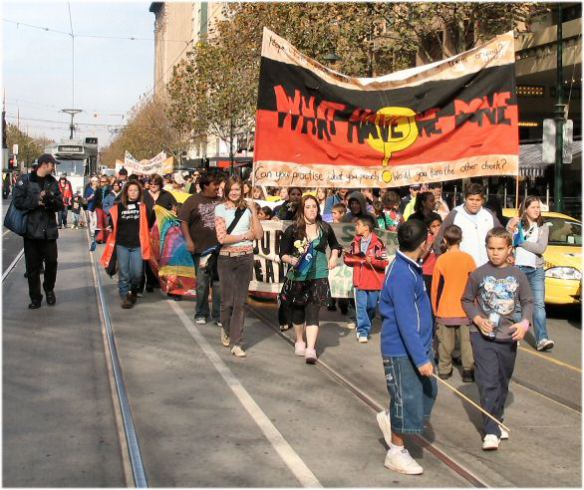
<point x="545" y="344"/>
<point x="362" y="339"/>
<point x="504" y="434"/>
<point x="225" y="340"/>
<point x="400" y="460"/>
<point x="299" y="348"/>
<point x="384" y="422"/>
<point x="351" y="325"/>
<point x="238" y="351"/>
<point x="490" y="442"/>
<point x="200" y="320"/>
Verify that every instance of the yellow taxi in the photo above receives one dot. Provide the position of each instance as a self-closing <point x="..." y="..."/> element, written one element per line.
<point x="563" y="258"/>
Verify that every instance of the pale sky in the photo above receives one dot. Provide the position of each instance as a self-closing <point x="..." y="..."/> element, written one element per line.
<point x="110" y="75"/>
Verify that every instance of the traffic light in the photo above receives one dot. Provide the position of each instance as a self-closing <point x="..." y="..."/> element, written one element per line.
<point x="12" y="164"/>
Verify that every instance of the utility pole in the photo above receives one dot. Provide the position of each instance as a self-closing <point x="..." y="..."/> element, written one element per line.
<point x="72" y="113"/>
<point x="559" y="114"/>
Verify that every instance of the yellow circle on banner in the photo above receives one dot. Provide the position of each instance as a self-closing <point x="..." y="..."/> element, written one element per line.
<point x="386" y="176"/>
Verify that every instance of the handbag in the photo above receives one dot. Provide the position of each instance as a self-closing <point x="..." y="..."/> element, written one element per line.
<point x="16" y="219"/>
<point x="112" y="268"/>
<point x="211" y="265"/>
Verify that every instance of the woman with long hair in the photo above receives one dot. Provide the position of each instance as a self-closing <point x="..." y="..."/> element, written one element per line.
<point x="130" y="238"/>
<point x="235" y="262"/>
<point x="257" y="193"/>
<point x="321" y="195"/>
<point x="303" y="246"/>
<point x="247" y="188"/>
<point x="424" y="208"/>
<point x="530" y="240"/>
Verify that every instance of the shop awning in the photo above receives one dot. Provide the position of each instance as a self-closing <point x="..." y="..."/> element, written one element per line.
<point x="530" y="162"/>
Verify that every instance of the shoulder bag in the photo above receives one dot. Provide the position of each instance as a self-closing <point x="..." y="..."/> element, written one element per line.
<point x="16" y="219"/>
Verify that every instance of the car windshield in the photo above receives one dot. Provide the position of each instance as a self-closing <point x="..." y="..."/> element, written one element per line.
<point x="71" y="167"/>
<point x="564" y="232"/>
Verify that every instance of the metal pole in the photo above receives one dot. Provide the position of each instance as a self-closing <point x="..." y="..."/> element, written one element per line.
<point x="505" y="196"/>
<point x="559" y="117"/>
<point x="547" y="194"/>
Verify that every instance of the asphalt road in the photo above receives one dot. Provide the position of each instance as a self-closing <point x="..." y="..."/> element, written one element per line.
<point x="205" y="418"/>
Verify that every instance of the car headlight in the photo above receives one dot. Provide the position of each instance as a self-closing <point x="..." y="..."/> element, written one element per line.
<point x="569" y="273"/>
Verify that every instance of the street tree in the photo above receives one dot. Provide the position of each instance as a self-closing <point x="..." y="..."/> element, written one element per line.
<point x="29" y="148"/>
<point x="148" y="132"/>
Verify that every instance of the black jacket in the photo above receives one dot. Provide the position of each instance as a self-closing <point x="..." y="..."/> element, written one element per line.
<point x="291" y="234"/>
<point x="41" y="220"/>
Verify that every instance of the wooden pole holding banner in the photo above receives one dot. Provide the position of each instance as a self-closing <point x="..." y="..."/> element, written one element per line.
<point x="465" y="398"/>
<point x="517" y="195"/>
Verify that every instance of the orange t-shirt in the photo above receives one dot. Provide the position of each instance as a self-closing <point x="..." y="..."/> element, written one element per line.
<point x="449" y="282"/>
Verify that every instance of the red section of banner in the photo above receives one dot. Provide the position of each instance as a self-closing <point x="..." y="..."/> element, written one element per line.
<point x="470" y="139"/>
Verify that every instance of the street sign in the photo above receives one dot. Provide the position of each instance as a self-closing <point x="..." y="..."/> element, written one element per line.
<point x="548" y="146"/>
<point x="15" y="149"/>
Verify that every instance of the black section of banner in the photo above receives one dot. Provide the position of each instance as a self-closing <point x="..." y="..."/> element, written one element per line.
<point x="420" y="98"/>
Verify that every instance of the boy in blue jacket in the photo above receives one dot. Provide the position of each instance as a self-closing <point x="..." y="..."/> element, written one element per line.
<point x="406" y="348"/>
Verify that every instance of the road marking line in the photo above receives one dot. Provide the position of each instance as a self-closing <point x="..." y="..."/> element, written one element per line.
<point x="550" y="359"/>
<point x="12" y="265"/>
<point x="290" y="458"/>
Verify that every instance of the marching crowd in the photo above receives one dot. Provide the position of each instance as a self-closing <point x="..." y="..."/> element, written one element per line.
<point x="460" y="276"/>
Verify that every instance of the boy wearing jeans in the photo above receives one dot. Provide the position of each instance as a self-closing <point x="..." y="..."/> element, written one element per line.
<point x="492" y="293"/>
<point x="406" y="348"/>
<point x="368" y="258"/>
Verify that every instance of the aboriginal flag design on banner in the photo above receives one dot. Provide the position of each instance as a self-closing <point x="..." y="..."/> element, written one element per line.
<point x="451" y="119"/>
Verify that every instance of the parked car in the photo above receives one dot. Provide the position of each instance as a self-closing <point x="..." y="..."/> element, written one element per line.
<point x="563" y="258"/>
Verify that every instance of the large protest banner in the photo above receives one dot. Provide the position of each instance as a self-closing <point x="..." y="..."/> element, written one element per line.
<point x="159" y="164"/>
<point x="269" y="272"/>
<point x="452" y="119"/>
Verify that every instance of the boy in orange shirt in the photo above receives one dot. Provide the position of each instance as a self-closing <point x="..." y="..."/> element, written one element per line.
<point x="449" y="279"/>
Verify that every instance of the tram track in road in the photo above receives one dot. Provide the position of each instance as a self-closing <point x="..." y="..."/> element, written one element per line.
<point x="132" y="460"/>
<point x="376" y="407"/>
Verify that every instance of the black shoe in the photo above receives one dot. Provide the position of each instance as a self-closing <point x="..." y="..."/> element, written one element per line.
<point x="468" y="376"/>
<point x="445" y="375"/>
<point x="344" y="310"/>
<point x="34" y="305"/>
<point x="149" y="289"/>
<point x="331" y="307"/>
<point x="26" y="275"/>
<point x="133" y="298"/>
<point x="51" y="299"/>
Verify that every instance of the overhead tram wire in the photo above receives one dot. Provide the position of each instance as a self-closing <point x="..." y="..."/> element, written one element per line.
<point x="90" y="36"/>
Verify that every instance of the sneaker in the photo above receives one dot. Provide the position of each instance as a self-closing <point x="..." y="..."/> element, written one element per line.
<point x="490" y="442"/>
<point x="283" y="328"/>
<point x="351" y="325"/>
<point x="504" y="434"/>
<point x="300" y="348"/>
<point x="467" y="376"/>
<point x="545" y="344"/>
<point x="384" y="422"/>
<point x="200" y="320"/>
<point x="225" y="340"/>
<point x="219" y="324"/>
<point x="237" y="351"/>
<point x="445" y="375"/>
<point x="400" y="460"/>
<point x="362" y="339"/>
<point x="310" y="356"/>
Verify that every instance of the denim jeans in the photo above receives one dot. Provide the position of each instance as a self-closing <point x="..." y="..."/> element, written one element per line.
<point x="130" y="269"/>
<point x="411" y="395"/>
<point x="204" y="282"/>
<point x="365" y="307"/>
<point x="62" y="217"/>
<point x="536" y="279"/>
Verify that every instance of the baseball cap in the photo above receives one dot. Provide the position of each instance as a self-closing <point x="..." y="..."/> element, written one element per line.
<point x="415" y="186"/>
<point x="47" y="158"/>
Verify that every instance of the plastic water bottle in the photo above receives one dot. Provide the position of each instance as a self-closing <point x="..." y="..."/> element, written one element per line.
<point x="494" y="320"/>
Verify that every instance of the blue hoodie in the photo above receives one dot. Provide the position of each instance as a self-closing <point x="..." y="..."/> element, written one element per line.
<point x="406" y="313"/>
